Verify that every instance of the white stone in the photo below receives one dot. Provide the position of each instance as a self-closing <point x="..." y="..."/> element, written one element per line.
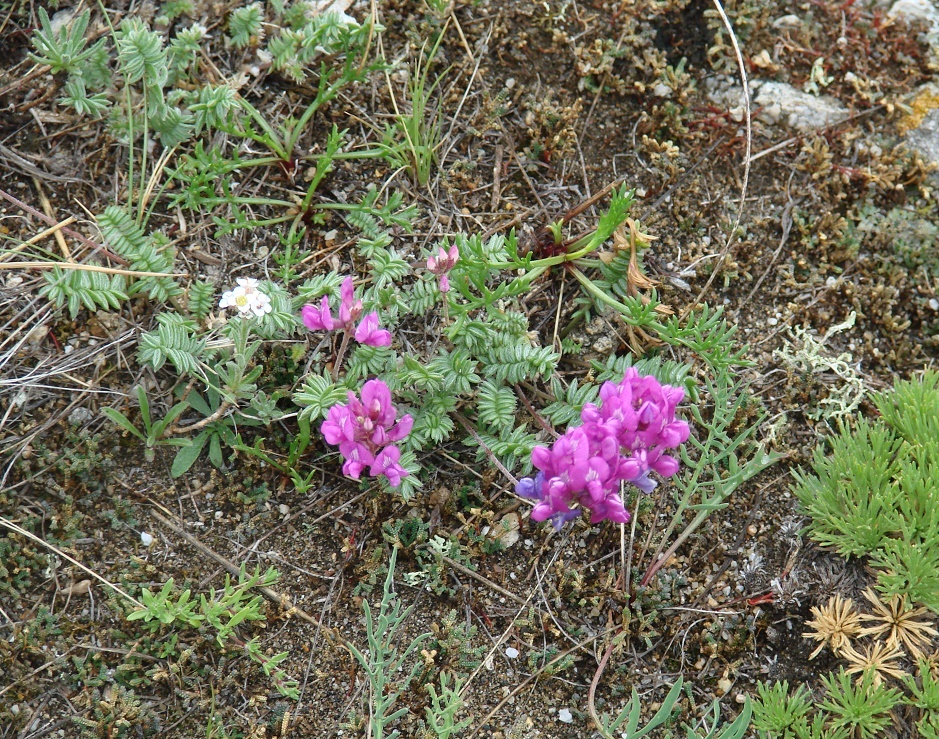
<point x="787" y="22"/>
<point x="565" y="716"/>
<point x="925" y="138"/>
<point x="80" y="416"/>
<point x="798" y="109"/>
<point x="662" y="90"/>
<point x="934" y="304"/>
<point x="146" y="539"/>
<point x="62" y="20"/>
<point x="918" y="10"/>
<point x="511" y="653"/>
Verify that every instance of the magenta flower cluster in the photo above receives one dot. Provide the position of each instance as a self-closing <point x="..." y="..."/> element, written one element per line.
<point x="365" y="431"/>
<point x="442" y="263"/>
<point x="621" y="439"/>
<point x="321" y="319"/>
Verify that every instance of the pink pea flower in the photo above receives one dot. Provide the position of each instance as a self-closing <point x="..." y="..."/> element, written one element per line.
<point x="442" y="263"/>
<point x="321" y="319"/>
<point x="620" y="440"/>
<point x="318" y="319"/>
<point x="365" y="432"/>
<point x="369" y="333"/>
<point x="349" y="308"/>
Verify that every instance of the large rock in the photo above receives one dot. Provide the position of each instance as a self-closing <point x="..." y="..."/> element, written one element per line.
<point x="919" y="10"/>
<point x="922" y="125"/>
<point x="780" y="103"/>
<point x="783" y="103"/>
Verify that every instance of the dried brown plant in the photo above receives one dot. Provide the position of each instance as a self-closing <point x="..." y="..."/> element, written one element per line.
<point x="899" y="624"/>
<point x="835" y="624"/>
<point x="879" y="658"/>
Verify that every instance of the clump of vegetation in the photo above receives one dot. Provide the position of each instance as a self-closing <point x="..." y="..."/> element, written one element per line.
<point x="875" y="493"/>
<point x="301" y="308"/>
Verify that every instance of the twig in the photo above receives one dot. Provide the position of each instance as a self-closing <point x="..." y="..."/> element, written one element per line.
<point x="272" y="595"/>
<point x="497" y="178"/>
<point x="541" y="422"/>
<point x="786" y="227"/>
<point x="89" y="268"/>
<point x="794" y="139"/>
<point x="591" y="694"/>
<point x="37" y="238"/>
<point x="35" y="72"/>
<point x="492" y="457"/>
<point x="47" y="207"/>
<point x="29" y="535"/>
<point x="487" y="582"/>
<point x="459" y="30"/>
<point x="74" y="234"/>
<point x="746" y="165"/>
<point x="518" y="688"/>
<point x="220" y="411"/>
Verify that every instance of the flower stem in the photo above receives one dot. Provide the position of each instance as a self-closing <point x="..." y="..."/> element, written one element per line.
<point x="342" y="353"/>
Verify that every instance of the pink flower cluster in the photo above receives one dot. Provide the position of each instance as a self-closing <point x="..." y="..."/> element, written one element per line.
<point x="442" y="263"/>
<point x="321" y="319"/>
<point x="622" y="439"/>
<point x="365" y="431"/>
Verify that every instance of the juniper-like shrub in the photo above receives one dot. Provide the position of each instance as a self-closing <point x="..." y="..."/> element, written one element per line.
<point x="876" y="491"/>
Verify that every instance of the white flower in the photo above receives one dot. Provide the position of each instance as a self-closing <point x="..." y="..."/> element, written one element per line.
<point x="246" y="298"/>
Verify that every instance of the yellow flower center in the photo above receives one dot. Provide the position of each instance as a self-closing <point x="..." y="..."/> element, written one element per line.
<point x="241" y="301"/>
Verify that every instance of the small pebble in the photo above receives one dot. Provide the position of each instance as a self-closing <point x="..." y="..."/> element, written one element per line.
<point x="510" y="83"/>
<point x="773" y="321"/>
<point x="284" y="509"/>
<point x="146" y="539"/>
<point x="511" y="653"/>
<point x="565" y="716"/>
<point x="218" y="514"/>
<point x="934" y="304"/>
<point x="80" y="416"/>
